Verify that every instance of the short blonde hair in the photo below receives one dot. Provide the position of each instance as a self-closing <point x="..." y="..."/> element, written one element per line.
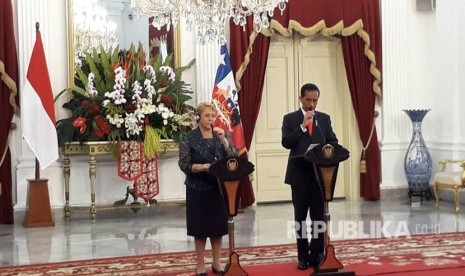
<point x="202" y="106"/>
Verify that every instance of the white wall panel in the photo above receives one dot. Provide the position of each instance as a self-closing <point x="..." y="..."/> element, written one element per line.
<point x="421" y="69"/>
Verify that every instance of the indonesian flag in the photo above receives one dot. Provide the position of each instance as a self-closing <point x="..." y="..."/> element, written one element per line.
<point x="225" y="98"/>
<point x="38" y="112"/>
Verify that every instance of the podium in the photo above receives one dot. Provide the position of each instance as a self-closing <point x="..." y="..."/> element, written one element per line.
<point x="229" y="171"/>
<point x="326" y="159"/>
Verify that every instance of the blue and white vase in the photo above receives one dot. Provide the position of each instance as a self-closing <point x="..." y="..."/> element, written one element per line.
<point x="417" y="162"/>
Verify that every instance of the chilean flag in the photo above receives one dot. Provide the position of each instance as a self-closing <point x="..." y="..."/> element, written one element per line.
<point x="225" y="100"/>
<point x="38" y="112"/>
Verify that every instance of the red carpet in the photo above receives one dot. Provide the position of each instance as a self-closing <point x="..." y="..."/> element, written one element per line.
<point x="419" y="255"/>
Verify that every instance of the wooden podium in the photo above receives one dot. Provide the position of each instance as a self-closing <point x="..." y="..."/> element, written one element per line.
<point x="326" y="159"/>
<point x="229" y="171"/>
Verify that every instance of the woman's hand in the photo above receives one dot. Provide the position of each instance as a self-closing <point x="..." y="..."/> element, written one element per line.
<point x="222" y="135"/>
<point x="196" y="168"/>
<point x="206" y="167"/>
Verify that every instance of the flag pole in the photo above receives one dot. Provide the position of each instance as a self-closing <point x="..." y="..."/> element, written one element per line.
<point x="38" y="210"/>
<point x="37" y="174"/>
<point x="37" y="170"/>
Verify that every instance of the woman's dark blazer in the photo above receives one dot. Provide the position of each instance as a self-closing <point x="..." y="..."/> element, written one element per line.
<point x="194" y="150"/>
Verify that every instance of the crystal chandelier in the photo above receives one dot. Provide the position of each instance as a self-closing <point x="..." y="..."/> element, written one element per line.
<point x="164" y="12"/>
<point x="92" y="29"/>
<point x="260" y="9"/>
<point x="208" y="17"/>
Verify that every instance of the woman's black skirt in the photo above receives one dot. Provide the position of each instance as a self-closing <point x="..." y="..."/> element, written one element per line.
<point x="206" y="214"/>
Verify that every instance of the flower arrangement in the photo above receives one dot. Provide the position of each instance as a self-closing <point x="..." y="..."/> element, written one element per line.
<point x="121" y="96"/>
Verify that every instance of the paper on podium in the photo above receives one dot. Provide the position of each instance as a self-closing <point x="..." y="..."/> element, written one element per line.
<point x="311" y="147"/>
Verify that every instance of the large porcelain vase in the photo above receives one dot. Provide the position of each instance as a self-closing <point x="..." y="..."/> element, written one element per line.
<point x="417" y="162"/>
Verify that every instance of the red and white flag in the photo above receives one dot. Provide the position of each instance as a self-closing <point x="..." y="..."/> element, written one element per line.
<point x="38" y="112"/>
<point x="225" y="98"/>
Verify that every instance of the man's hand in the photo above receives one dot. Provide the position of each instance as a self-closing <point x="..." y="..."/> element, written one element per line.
<point x="308" y="118"/>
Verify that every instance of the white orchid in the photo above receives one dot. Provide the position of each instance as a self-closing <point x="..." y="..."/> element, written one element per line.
<point x="169" y="71"/>
<point x="132" y="124"/>
<point x="116" y="120"/>
<point x="90" y="85"/>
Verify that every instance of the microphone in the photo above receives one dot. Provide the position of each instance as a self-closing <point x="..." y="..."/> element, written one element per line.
<point x="215" y="154"/>
<point x="319" y="128"/>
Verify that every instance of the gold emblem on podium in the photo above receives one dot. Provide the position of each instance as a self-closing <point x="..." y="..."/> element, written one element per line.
<point x="328" y="151"/>
<point x="232" y="164"/>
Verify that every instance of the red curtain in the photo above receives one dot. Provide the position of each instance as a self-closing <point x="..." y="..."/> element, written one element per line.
<point x="8" y="100"/>
<point x="363" y="100"/>
<point x="251" y="84"/>
<point x="163" y="33"/>
<point x="358" y="20"/>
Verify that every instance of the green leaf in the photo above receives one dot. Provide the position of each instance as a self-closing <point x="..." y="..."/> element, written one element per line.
<point x="65" y="131"/>
<point x="83" y="80"/>
<point x="181" y="69"/>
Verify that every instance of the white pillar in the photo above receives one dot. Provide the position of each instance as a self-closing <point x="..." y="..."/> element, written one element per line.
<point x="208" y="58"/>
<point x="395" y="74"/>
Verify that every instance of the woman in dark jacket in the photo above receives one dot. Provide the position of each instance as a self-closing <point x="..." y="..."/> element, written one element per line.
<point x="206" y="213"/>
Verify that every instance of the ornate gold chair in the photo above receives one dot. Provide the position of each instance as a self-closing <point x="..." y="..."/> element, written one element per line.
<point x="454" y="180"/>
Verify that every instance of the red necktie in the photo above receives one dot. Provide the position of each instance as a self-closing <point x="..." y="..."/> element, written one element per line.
<point x="310" y="127"/>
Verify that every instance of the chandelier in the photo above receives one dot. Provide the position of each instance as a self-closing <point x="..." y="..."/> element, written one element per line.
<point x="92" y="30"/>
<point x="208" y="17"/>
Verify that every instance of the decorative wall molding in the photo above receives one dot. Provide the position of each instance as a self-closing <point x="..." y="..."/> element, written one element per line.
<point x="207" y="59"/>
<point x="394" y="31"/>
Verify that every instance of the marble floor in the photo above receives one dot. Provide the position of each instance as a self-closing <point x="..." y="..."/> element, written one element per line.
<point x="161" y="228"/>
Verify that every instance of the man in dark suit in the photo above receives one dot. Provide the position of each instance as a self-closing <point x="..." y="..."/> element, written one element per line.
<point x="300" y="129"/>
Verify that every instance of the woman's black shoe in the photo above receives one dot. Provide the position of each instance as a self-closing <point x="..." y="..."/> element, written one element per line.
<point x="219" y="272"/>
<point x="202" y="274"/>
